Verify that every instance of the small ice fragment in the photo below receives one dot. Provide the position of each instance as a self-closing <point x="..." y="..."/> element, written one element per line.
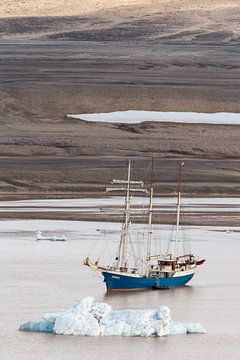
<point x="178" y="328"/>
<point x="195" y="328"/>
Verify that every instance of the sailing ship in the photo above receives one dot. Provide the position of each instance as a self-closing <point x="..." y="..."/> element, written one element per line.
<point x="172" y="268"/>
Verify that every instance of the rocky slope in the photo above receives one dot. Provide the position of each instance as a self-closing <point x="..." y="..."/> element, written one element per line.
<point x="168" y="21"/>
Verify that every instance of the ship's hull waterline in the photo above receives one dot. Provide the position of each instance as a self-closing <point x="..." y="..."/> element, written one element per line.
<point x="118" y="281"/>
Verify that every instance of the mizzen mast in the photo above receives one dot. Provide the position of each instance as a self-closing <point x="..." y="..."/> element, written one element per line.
<point x="178" y="207"/>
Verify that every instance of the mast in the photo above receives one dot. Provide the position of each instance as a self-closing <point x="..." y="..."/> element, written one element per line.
<point x="178" y="206"/>
<point x="128" y="189"/>
<point x="149" y="243"/>
<point x="127" y="220"/>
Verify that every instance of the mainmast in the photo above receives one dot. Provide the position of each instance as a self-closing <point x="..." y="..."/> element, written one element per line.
<point x="149" y="243"/>
<point x="125" y="234"/>
<point x="122" y="258"/>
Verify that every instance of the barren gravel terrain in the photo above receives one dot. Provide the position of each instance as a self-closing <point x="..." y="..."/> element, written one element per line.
<point x="87" y="56"/>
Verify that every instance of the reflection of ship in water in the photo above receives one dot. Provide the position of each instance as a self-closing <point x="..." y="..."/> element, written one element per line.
<point x="174" y="267"/>
<point x="39" y="237"/>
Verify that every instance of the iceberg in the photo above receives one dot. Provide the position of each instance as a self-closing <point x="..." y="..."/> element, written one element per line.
<point x="92" y="318"/>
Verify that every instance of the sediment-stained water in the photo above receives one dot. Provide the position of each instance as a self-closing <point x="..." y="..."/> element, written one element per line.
<point x="38" y="277"/>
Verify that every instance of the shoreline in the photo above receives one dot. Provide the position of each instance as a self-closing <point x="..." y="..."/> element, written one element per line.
<point x="97" y="195"/>
<point x="205" y="219"/>
<point x="198" y="213"/>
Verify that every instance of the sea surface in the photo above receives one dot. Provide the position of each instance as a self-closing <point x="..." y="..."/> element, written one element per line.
<point x="38" y="277"/>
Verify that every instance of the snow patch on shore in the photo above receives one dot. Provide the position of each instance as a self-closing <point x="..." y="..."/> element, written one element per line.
<point x="138" y="116"/>
<point x="92" y="318"/>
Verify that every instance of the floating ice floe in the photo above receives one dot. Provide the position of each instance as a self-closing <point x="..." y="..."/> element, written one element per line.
<point x="92" y="318"/>
<point x="138" y="116"/>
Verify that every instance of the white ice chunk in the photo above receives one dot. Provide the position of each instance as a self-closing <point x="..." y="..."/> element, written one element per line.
<point x="178" y="328"/>
<point x="100" y="311"/>
<point x="85" y="305"/>
<point x="195" y="328"/>
<point x="69" y="323"/>
<point x="116" y="327"/>
<point x="91" y="318"/>
<point x="163" y="313"/>
<point x="51" y="316"/>
<point x="147" y="322"/>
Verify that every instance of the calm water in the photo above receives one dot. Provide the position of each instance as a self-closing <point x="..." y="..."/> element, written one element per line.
<point x="39" y="277"/>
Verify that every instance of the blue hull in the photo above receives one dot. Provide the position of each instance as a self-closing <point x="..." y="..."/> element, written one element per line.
<point x="124" y="282"/>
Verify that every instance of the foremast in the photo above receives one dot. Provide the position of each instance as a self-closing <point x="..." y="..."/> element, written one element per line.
<point x="128" y="186"/>
<point x="123" y="247"/>
<point x="121" y="263"/>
